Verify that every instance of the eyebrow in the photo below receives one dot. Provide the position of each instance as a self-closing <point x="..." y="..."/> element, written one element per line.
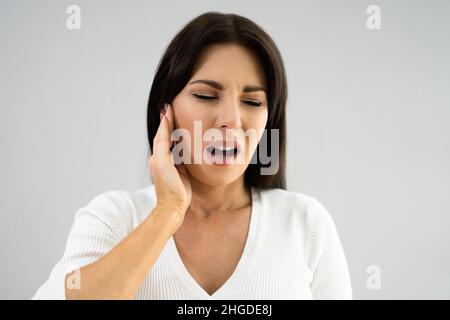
<point x="219" y="86"/>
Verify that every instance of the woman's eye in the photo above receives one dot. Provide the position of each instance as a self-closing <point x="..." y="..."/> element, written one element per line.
<point x="254" y="103"/>
<point x="205" y="97"/>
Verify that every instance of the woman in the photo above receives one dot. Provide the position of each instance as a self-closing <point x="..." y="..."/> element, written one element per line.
<point x="218" y="228"/>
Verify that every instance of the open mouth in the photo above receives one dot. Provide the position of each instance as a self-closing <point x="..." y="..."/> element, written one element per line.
<point x="223" y="153"/>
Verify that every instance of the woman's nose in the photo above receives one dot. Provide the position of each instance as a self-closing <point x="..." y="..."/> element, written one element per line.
<point x="229" y="115"/>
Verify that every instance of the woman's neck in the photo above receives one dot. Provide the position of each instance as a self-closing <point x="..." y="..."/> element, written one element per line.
<point x="209" y="200"/>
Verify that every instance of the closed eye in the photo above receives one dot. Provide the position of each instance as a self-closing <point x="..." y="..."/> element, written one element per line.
<point x="255" y="103"/>
<point x="204" y="97"/>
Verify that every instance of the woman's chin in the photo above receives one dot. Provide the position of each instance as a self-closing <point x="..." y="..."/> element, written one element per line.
<point x="216" y="174"/>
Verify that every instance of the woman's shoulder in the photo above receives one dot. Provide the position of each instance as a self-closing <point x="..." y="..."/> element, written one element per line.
<point x="296" y="199"/>
<point x="297" y="205"/>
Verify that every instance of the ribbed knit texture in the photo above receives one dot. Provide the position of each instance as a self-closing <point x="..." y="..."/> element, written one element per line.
<point x="292" y="251"/>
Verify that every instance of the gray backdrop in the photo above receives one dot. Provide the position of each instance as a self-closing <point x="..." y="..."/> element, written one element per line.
<point x="368" y="125"/>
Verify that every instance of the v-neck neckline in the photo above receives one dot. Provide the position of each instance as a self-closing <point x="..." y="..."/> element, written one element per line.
<point x="241" y="267"/>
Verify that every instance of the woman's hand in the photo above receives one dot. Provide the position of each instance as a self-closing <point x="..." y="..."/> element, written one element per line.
<point x="173" y="190"/>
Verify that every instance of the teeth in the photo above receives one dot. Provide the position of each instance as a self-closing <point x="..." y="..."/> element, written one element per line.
<point x="225" y="149"/>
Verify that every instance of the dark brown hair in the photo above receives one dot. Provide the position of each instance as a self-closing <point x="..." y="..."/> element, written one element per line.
<point x="176" y="66"/>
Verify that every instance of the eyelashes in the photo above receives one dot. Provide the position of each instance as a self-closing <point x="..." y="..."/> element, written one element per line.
<point x="251" y="102"/>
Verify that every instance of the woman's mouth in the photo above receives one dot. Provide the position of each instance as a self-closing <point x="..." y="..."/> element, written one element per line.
<point x="223" y="152"/>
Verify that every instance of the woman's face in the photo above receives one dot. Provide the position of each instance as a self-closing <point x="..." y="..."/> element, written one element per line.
<point x="238" y="105"/>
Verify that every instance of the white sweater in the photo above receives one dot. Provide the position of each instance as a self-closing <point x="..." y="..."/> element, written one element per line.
<point x="292" y="251"/>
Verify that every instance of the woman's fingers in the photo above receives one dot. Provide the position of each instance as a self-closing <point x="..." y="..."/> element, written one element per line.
<point x="162" y="137"/>
<point x="170" y="118"/>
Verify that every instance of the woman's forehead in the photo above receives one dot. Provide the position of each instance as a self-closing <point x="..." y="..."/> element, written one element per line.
<point x="229" y="64"/>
